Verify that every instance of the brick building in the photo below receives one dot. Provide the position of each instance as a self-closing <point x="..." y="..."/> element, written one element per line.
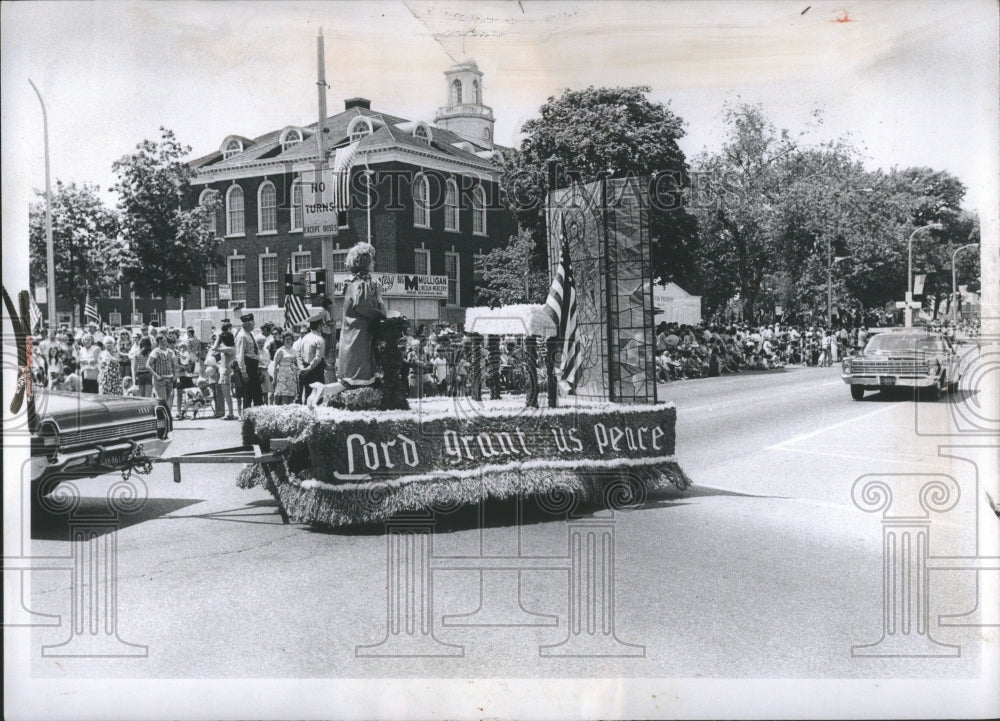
<point x="425" y="194"/>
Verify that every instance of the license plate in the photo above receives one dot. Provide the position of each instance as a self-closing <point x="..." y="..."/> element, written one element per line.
<point x="887" y="381"/>
<point x="113" y="460"/>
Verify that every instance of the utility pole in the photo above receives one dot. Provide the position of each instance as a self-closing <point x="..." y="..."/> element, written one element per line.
<point x="326" y="243"/>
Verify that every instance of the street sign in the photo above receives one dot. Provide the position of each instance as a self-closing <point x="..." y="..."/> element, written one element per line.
<point x="918" y="283"/>
<point x="136" y="319"/>
<point x="319" y="207"/>
<point x="225" y="291"/>
<point x="41" y="294"/>
<point x="913" y="304"/>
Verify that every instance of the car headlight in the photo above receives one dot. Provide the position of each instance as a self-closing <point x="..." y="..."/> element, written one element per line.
<point x="846" y="365"/>
<point x="48" y="434"/>
<point x="162" y="423"/>
<point x="931" y="367"/>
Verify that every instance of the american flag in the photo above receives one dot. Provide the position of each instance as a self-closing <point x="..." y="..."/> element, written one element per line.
<point x="90" y="309"/>
<point x="296" y="312"/>
<point x="342" y="161"/>
<point x="36" y="316"/>
<point x="561" y="307"/>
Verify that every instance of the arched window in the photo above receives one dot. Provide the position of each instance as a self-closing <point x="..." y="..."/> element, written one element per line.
<point x="234" y="211"/>
<point x="456" y="92"/>
<point x="296" y="209"/>
<point x="476" y="94"/>
<point x="421" y="202"/>
<point x="207" y="200"/>
<point x="267" y="208"/>
<point x="451" y="206"/>
<point x="233" y="147"/>
<point x="360" y="127"/>
<point x="420" y="132"/>
<point x="486" y="134"/>
<point x="291" y="137"/>
<point x="479" y="210"/>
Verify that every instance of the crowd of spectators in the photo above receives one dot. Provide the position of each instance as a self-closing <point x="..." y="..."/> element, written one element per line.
<point x="273" y="365"/>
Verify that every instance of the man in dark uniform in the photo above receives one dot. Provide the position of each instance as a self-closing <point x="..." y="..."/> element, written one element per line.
<point x="248" y="360"/>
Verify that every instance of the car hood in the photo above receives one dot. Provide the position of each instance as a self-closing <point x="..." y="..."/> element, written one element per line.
<point x="72" y="411"/>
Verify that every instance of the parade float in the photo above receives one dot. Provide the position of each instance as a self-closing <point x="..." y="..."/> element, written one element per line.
<point x="366" y="453"/>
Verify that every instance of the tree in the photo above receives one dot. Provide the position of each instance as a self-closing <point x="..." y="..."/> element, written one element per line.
<point x="87" y="251"/>
<point x="169" y="246"/>
<point x="508" y="275"/>
<point x="617" y="133"/>
<point x="736" y="202"/>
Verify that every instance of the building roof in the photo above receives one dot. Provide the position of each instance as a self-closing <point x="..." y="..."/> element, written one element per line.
<point x="389" y="132"/>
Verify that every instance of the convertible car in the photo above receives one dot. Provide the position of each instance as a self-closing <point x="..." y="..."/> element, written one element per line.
<point x="911" y="357"/>
<point x="83" y="435"/>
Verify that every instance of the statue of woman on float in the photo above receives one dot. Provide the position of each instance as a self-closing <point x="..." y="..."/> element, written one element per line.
<point x="363" y="309"/>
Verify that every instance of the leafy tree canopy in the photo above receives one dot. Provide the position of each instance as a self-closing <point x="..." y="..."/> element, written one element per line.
<point x="507" y="275"/>
<point x="614" y="132"/>
<point x="169" y="247"/>
<point x="87" y="250"/>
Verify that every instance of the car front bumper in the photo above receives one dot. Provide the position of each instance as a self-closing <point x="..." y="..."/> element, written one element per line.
<point x="883" y="381"/>
<point x="93" y="461"/>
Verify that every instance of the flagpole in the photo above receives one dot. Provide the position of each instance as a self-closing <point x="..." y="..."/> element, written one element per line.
<point x="50" y="263"/>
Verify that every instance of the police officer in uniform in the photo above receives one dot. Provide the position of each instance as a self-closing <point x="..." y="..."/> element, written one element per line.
<point x="248" y="360"/>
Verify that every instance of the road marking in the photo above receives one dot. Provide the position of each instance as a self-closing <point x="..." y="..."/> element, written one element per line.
<point x="825" y="429"/>
<point x="893" y="458"/>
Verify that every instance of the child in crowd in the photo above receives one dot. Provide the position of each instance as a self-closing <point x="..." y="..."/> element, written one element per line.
<point x="129" y="389"/>
<point x="195" y="398"/>
<point x="68" y="380"/>
<point x="210" y="372"/>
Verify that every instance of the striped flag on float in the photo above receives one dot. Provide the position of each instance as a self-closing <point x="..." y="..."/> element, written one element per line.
<point x="561" y="308"/>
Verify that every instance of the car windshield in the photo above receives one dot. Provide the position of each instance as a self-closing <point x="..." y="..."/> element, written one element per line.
<point x="905" y="343"/>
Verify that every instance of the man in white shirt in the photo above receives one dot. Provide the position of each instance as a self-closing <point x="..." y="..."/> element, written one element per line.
<point x="248" y="360"/>
<point x="313" y="359"/>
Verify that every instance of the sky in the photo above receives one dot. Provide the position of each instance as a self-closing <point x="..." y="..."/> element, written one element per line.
<point x="912" y="83"/>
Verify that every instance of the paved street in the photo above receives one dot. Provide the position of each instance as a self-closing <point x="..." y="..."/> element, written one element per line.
<point x="765" y="568"/>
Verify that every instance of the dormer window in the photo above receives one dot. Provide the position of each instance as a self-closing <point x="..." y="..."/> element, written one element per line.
<point x="423" y="131"/>
<point x="360" y="128"/>
<point x="233" y="147"/>
<point x="291" y="137"/>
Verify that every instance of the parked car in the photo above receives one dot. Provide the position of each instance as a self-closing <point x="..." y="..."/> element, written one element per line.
<point x="80" y="435"/>
<point x="906" y="357"/>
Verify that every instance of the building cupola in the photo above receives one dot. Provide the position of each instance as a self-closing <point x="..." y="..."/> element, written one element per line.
<point x="465" y="114"/>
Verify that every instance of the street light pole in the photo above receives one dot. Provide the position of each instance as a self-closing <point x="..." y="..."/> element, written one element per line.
<point x="954" y="287"/>
<point x="829" y="283"/>
<point x="50" y="262"/>
<point x="909" y="269"/>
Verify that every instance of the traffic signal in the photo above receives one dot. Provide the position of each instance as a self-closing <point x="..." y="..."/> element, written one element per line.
<point x="321" y="282"/>
<point x="289" y="285"/>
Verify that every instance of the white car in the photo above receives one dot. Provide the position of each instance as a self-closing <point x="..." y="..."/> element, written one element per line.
<point x="910" y="357"/>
